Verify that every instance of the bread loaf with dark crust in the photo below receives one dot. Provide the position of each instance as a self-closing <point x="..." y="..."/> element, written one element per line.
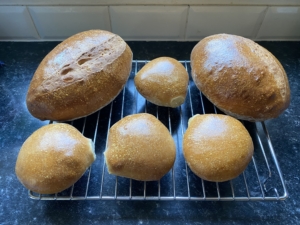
<point x="240" y="77"/>
<point x="79" y="76"/>
<point x="53" y="158"/>
<point x="140" y="147"/>
<point x="217" y="147"/>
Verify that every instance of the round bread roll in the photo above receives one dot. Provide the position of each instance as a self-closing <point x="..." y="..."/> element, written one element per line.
<point x="79" y="76"/>
<point x="240" y="77"/>
<point x="163" y="81"/>
<point x="53" y="158"/>
<point x="217" y="147"/>
<point x="140" y="147"/>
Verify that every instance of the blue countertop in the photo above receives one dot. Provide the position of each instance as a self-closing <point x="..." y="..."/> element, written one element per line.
<point x="16" y="124"/>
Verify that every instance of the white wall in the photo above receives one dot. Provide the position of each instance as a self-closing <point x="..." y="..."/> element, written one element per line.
<point x="167" y="20"/>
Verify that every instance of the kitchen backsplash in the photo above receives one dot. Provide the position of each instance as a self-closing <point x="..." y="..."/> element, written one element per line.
<point x="32" y="20"/>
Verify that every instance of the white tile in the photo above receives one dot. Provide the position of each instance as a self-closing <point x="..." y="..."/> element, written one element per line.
<point x="281" y="23"/>
<point x="208" y="20"/>
<point x="149" y="22"/>
<point x="16" y="24"/>
<point x="60" y="22"/>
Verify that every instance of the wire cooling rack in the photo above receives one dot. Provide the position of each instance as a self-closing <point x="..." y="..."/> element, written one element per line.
<point x="262" y="180"/>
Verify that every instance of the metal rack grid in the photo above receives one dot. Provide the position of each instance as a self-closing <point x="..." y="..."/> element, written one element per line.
<point x="262" y="180"/>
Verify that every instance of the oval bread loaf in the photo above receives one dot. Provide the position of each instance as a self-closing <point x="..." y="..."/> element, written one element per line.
<point x="53" y="158"/>
<point x="140" y="147"/>
<point x="217" y="147"/>
<point x="163" y="81"/>
<point x="240" y="77"/>
<point x="79" y="76"/>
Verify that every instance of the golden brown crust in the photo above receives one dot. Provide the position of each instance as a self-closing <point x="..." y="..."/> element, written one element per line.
<point x="140" y="147"/>
<point x="240" y="77"/>
<point x="53" y="158"/>
<point x="217" y="147"/>
<point x="79" y="76"/>
<point x="163" y="81"/>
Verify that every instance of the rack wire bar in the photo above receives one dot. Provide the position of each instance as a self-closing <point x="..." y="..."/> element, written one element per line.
<point x="261" y="181"/>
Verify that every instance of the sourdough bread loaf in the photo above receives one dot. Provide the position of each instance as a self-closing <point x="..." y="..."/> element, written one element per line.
<point x="217" y="147"/>
<point x="53" y="158"/>
<point x="79" y="76"/>
<point x="140" y="147"/>
<point x="240" y="77"/>
<point x="163" y="81"/>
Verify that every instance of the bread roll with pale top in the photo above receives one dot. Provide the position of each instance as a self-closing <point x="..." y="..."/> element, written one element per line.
<point x="240" y="77"/>
<point x="217" y="147"/>
<point x="53" y="158"/>
<point x="163" y="81"/>
<point x="79" y="76"/>
<point x="140" y="147"/>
